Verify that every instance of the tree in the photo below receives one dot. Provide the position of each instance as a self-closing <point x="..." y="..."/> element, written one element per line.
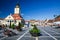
<point x="20" y="26"/>
<point x="22" y="21"/>
<point x="13" y="26"/>
<point x="35" y="31"/>
<point x="10" y="25"/>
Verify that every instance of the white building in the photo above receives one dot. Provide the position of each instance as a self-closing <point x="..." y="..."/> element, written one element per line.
<point x="1" y="21"/>
<point x="15" y="18"/>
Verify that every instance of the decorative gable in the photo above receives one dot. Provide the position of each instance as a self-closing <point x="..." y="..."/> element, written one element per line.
<point x="9" y="17"/>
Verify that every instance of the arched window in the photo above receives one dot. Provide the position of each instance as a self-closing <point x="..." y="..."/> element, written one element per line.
<point x="8" y="21"/>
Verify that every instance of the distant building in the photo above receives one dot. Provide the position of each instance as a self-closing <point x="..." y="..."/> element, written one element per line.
<point x="27" y="23"/>
<point x="54" y="21"/>
<point x="50" y="22"/>
<point x="36" y="22"/>
<point x="57" y="18"/>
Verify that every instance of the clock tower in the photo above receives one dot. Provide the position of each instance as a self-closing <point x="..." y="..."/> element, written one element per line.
<point x="17" y="9"/>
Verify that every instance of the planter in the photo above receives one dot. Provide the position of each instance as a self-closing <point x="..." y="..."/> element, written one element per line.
<point x="35" y="34"/>
<point x="20" y="29"/>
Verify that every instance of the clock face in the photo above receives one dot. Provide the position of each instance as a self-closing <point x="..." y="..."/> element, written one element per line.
<point x="17" y="9"/>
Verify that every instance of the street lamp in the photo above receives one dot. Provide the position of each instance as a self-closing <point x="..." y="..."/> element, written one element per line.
<point x="10" y="23"/>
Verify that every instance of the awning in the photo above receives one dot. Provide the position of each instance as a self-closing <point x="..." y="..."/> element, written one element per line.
<point x="57" y="22"/>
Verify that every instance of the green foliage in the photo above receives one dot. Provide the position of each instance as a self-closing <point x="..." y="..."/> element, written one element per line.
<point x="20" y="25"/>
<point x="35" y="29"/>
<point x="13" y="26"/>
<point x="32" y="25"/>
<point x="23" y="21"/>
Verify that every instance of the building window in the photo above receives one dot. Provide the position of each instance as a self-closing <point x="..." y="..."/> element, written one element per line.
<point x="8" y="21"/>
<point x="15" y="21"/>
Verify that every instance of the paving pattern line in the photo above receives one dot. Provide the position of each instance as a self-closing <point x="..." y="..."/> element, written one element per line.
<point x="23" y="35"/>
<point x="2" y="38"/>
<point x="53" y="31"/>
<point x="42" y="36"/>
<point x="49" y="34"/>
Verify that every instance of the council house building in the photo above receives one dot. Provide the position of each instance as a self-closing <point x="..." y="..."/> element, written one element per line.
<point x="14" y="18"/>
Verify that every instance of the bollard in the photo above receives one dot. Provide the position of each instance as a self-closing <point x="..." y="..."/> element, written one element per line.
<point x="36" y="38"/>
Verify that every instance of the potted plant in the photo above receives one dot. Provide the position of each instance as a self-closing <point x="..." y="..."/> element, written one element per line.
<point x="35" y="32"/>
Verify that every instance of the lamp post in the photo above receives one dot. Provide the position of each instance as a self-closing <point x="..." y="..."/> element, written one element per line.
<point x="28" y="23"/>
<point x="54" y="18"/>
<point x="10" y="23"/>
<point x="36" y="38"/>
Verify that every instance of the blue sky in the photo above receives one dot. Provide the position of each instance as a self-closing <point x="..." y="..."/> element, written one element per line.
<point x="31" y="9"/>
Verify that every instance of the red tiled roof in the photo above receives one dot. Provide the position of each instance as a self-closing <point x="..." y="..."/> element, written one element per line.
<point x="57" y="18"/>
<point x="16" y="17"/>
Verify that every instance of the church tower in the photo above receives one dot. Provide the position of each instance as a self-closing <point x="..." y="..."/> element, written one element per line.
<point x="17" y="15"/>
<point x="17" y="9"/>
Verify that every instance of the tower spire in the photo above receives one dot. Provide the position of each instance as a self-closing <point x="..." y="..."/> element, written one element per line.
<point x="17" y="5"/>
